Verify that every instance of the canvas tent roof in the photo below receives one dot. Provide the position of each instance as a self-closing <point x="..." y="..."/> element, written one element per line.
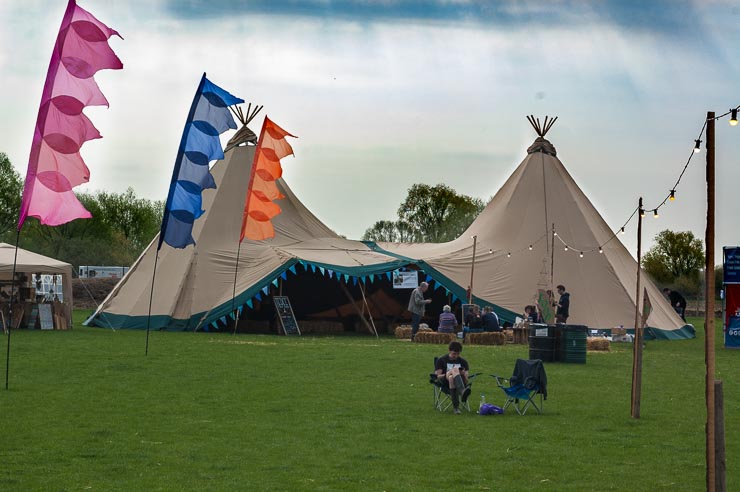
<point x="194" y="286"/>
<point x="29" y="262"/>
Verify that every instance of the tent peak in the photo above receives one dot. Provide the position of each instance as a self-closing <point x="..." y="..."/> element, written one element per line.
<point x="244" y="134"/>
<point x="541" y="129"/>
<point x="542" y="145"/>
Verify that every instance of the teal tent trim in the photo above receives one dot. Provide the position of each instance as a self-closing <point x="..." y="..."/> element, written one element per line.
<point x="456" y="290"/>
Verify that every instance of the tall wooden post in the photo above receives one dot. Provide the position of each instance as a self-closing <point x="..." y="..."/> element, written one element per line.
<point x="637" y="345"/>
<point x="709" y="305"/>
<point x="552" y="258"/>
<point x="472" y="271"/>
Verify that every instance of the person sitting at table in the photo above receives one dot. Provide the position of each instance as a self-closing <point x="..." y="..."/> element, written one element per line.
<point x="490" y="320"/>
<point x="473" y="320"/>
<point x="447" y="321"/>
<point x="531" y="314"/>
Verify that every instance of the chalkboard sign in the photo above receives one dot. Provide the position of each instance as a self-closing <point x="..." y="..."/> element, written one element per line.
<point x="45" y="317"/>
<point x="285" y="313"/>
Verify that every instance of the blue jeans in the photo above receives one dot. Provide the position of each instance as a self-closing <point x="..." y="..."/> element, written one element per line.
<point x="415" y="322"/>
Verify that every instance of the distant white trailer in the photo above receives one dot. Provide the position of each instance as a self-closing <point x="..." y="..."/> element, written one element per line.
<point x="102" y="271"/>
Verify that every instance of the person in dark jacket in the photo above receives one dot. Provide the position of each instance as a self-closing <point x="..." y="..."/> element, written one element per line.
<point x="678" y="302"/>
<point x="490" y="320"/>
<point x="563" y="305"/>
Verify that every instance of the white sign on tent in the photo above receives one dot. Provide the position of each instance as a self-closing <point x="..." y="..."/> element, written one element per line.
<point x="405" y="280"/>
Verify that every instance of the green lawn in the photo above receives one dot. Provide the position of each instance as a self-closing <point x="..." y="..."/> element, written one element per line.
<point x="86" y="410"/>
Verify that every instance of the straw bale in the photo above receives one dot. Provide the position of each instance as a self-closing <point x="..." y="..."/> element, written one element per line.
<point x="486" y="338"/>
<point x="403" y="331"/>
<point x="321" y="327"/>
<point x="597" y="344"/>
<point x="434" y="337"/>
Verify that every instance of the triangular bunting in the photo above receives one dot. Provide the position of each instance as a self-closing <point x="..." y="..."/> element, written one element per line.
<point x="284" y="275"/>
<point x="292" y="269"/>
<point x="249" y="303"/>
<point x="275" y="283"/>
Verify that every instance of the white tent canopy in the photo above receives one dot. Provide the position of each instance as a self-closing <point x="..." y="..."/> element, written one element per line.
<point x="30" y="263"/>
<point x="194" y="286"/>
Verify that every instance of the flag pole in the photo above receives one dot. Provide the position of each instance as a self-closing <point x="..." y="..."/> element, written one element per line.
<point x="10" y="309"/>
<point x="637" y="345"/>
<point x="151" y="295"/>
<point x="233" y="292"/>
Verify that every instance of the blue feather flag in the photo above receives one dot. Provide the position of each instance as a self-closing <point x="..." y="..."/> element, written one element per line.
<point x="200" y="144"/>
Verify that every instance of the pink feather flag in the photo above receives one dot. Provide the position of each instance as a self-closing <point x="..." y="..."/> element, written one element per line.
<point x="55" y="165"/>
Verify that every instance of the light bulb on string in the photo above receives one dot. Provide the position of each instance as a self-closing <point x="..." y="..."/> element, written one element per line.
<point x="508" y="255"/>
<point x="581" y="255"/>
<point x="490" y="251"/>
<point x="733" y="117"/>
<point x="642" y="212"/>
<point x="655" y="214"/>
<point x="621" y="231"/>
<point x="554" y="233"/>
<point x="673" y="195"/>
<point x="530" y="247"/>
<point x="697" y="147"/>
<point x="601" y="251"/>
<point x="566" y="248"/>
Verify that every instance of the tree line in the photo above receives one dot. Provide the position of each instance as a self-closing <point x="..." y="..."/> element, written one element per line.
<point x="121" y="226"/>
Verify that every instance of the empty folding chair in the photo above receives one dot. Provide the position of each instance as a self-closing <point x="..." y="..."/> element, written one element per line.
<point x="521" y="389"/>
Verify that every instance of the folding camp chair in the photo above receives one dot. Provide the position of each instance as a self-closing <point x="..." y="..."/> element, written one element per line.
<point x="521" y="389"/>
<point x="442" y="397"/>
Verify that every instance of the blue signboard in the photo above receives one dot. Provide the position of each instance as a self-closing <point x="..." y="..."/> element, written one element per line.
<point x="731" y="264"/>
<point x="732" y="334"/>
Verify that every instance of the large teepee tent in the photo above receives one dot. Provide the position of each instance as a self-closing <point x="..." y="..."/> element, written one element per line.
<point x="195" y="286"/>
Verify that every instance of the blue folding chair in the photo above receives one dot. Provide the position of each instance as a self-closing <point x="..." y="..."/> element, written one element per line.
<point x="521" y="389"/>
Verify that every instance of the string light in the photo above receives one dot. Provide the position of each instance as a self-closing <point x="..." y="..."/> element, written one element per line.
<point x="490" y="251"/>
<point x="530" y="247"/>
<point x="581" y="255"/>
<point x="655" y="214"/>
<point x="673" y="195"/>
<point x="642" y="212"/>
<point x="508" y="255"/>
<point x="566" y="248"/>
<point x="621" y="231"/>
<point x="601" y="251"/>
<point x="697" y="147"/>
<point x="554" y="233"/>
<point x="733" y="117"/>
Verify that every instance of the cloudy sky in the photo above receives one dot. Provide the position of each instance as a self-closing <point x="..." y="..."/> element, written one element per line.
<point x="387" y="93"/>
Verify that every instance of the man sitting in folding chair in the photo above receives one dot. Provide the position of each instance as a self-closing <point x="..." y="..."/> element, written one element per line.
<point x="528" y="381"/>
<point x="451" y="371"/>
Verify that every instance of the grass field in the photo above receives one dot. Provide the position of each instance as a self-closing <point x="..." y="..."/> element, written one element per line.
<point x="86" y="410"/>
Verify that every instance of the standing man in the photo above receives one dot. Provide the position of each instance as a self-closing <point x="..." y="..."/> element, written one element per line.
<point x="677" y="301"/>
<point x="563" y="305"/>
<point x="417" y="303"/>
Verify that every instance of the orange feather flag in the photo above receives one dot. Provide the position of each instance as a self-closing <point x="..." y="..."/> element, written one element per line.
<point x="259" y="208"/>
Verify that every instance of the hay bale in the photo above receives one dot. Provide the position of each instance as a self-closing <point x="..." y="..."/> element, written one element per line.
<point x="381" y="326"/>
<point x="403" y="331"/>
<point x="486" y="338"/>
<point x="619" y="331"/>
<point x="320" y="327"/>
<point x="428" y="336"/>
<point x="597" y="344"/>
<point x="509" y="334"/>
